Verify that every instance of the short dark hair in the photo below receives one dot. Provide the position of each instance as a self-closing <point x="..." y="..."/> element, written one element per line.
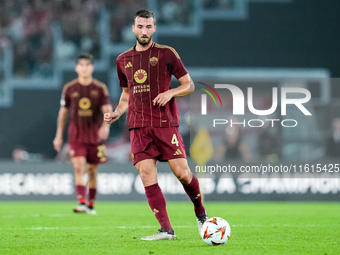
<point x="87" y="56"/>
<point x="144" y="14"/>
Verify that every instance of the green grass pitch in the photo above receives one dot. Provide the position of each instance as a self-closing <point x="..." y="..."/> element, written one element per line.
<point x="256" y="228"/>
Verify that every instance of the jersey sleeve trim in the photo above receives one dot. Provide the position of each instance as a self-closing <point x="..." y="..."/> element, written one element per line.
<point x="69" y="84"/>
<point x="102" y="86"/>
<point x="125" y="52"/>
<point x="167" y="47"/>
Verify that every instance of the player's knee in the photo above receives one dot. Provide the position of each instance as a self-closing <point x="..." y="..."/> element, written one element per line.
<point x="78" y="170"/>
<point x="184" y="176"/>
<point x="92" y="170"/>
<point x="145" y="175"/>
<point x="92" y="174"/>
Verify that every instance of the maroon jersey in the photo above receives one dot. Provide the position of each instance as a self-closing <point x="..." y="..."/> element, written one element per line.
<point x="85" y="104"/>
<point x="147" y="74"/>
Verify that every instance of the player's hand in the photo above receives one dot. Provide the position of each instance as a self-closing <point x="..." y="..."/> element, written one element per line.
<point x="57" y="143"/>
<point x="163" y="98"/>
<point x="103" y="132"/>
<point x="111" y="117"/>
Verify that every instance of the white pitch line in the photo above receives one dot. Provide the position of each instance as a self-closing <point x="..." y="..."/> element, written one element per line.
<point x="141" y="227"/>
<point x="128" y="227"/>
<point x="84" y="228"/>
<point x="10" y="216"/>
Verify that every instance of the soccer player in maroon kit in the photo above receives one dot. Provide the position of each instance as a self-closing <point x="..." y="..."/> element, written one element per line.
<point x="144" y="73"/>
<point x="86" y="99"/>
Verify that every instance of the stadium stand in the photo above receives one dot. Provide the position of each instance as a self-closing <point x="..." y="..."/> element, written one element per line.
<point x="39" y="39"/>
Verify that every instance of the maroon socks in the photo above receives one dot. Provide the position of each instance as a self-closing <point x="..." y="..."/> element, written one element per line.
<point x="157" y="204"/>
<point x="193" y="191"/>
<point x="81" y="194"/>
<point x="157" y="201"/>
<point x="91" y="197"/>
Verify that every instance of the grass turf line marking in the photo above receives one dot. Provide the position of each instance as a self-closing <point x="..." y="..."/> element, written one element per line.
<point x="146" y="227"/>
<point x="84" y="228"/>
<point x="9" y="216"/>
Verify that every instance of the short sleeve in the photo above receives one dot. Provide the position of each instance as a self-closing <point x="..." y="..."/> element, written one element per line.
<point x="175" y="63"/>
<point x="106" y="96"/>
<point x="65" y="99"/>
<point x="121" y="76"/>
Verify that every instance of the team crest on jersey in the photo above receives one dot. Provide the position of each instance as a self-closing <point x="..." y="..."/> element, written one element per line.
<point x="94" y="93"/>
<point x="75" y="94"/>
<point x="153" y="61"/>
<point x="84" y="103"/>
<point x="140" y="76"/>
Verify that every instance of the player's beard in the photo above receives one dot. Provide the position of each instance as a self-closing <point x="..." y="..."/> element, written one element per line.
<point x="143" y="42"/>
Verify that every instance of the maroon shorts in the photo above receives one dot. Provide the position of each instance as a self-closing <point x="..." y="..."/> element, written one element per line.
<point x="156" y="142"/>
<point x="94" y="154"/>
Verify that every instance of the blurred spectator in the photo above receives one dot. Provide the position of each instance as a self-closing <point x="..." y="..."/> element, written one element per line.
<point x="66" y="50"/>
<point x="175" y="12"/>
<point x="219" y="4"/>
<point x="188" y="131"/>
<point x="333" y="142"/>
<point x="37" y="35"/>
<point x="63" y="154"/>
<point x="233" y="148"/>
<point x="26" y="24"/>
<point x="171" y="12"/>
<point x="4" y="41"/>
<point x="268" y="143"/>
<point x="79" y="20"/>
<point x="210" y="4"/>
<point x="20" y="155"/>
<point x="226" y="4"/>
<point x="121" y="12"/>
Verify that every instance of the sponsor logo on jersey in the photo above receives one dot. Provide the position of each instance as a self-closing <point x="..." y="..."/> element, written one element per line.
<point x="128" y="65"/>
<point x="141" y="89"/>
<point x="153" y="61"/>
<point x="140" y="76"/>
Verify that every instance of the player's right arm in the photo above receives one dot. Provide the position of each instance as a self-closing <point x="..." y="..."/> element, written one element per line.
<point x="121" y="108"/>
<point x="62" y="117"/>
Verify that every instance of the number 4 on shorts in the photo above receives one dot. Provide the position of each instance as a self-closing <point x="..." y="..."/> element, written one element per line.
<point x="174" y="140"/>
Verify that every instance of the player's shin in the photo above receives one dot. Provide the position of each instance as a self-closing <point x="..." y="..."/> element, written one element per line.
<point x="81" y="193"/>
<point x="193" y="191"/>
<point x="157" y="204"/>
<point x="91" y="197"/>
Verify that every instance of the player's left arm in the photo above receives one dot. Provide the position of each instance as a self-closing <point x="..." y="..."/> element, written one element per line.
<point x="104" y="131"/>
<point x="187" y="86"/>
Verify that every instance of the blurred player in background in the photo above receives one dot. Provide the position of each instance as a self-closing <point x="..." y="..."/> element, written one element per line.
<point x="145" y="73"/>
<point x="86" y="99"/>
